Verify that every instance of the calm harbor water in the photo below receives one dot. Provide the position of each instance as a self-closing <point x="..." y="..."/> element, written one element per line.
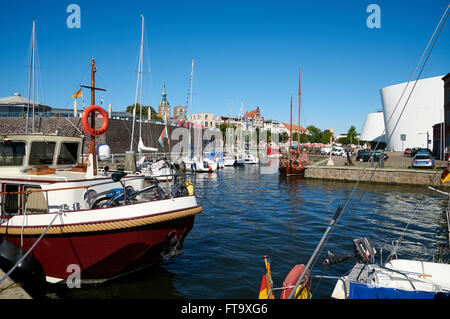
<point x="247" y="215"/>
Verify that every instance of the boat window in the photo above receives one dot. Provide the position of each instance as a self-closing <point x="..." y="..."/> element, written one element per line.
<point x="11" y="200"/>
<point x="68" y="153"/>
<point x="35" y="202"/>
<point x="11" y="153"/>
<point x="41" y="153"/>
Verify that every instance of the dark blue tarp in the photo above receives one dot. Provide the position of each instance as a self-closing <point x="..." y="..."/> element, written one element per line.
<point x="363" y="291"/>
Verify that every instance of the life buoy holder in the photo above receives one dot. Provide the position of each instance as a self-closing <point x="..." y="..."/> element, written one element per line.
<point x="84" y="120"/>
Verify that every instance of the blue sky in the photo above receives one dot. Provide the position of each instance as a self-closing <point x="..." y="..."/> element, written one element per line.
<point x="244" y="50"/>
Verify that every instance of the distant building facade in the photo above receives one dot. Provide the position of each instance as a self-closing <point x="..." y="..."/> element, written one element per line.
<point x="179" y="113"/>
<point x="203" y="119"/>
<point x="275" y="127"/>
<point x="164" y="106"/>
<point x="253" y="119"/>
<point x="295" y="128"/>
<point x="17" y="105"/>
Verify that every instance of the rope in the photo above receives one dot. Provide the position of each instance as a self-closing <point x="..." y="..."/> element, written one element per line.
<point x="31" y="248"/>
<point x="102" y="226"/>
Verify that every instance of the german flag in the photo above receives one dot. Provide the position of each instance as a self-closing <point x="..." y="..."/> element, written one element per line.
<point x="78" y="93"/>
<point x="445" y="177"/>
<point x="265" y="292"/>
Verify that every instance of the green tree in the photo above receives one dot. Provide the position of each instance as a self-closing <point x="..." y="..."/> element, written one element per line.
<point x="316" y="134"/>
<point x="351" y="137"/>
<point x="326" y="135"/>
<point x="154" y="115"/>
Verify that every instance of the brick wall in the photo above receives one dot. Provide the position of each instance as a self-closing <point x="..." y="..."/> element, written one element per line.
<point x="118" y="135"/>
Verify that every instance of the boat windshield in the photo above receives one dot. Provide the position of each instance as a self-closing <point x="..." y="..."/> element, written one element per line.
<point x="42" y="153"/>
<point x="12" y="153"/>
<point x="68" y="153"/>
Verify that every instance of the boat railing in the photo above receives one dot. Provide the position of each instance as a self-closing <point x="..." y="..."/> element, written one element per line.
<point x="181" y="184"/>
<point x="120" y="157"/>
<point x="177" y="186"/>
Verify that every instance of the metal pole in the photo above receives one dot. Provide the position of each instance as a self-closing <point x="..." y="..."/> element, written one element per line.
<point x="316" y="251"/>
<point x="33" y="68"/>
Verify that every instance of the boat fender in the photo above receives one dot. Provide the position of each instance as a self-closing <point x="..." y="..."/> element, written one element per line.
<point x="92" y="130"/>
<point x="291" y="280"/>
<point x="8" y="253"/>
<point x="190" y="188"/>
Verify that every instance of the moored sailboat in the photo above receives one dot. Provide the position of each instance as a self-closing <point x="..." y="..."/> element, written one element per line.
<point x="294" y="164"/>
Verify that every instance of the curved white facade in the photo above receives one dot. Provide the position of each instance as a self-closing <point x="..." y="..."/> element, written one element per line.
<point x="425" y="108"/>
<point x="373" y="128"/>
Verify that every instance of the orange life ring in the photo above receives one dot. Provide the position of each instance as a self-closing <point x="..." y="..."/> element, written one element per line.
<point x="84" y="120"/>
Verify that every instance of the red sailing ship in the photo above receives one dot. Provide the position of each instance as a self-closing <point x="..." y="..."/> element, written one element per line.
<point x="294" y="164"/>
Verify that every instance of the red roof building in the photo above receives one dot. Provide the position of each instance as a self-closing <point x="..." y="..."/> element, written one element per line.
<point x="295" y="128"/>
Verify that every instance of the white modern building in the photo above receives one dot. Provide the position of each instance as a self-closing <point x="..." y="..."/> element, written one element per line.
<point x="412" y="126"/>
<point x="275" y="127"/>
<point x="373" y="129"/>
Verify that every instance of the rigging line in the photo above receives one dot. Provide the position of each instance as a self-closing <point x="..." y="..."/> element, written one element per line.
<point x="412" y="74"/>
<point x="82" y="80"/>
<point x="399" y="241"/>
<point x="404" y="107"/>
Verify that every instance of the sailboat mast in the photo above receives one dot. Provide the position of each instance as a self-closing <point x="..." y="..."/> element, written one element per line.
<point x="33" y="68"/>
<point x="92" y="145"/>
<point x="191" y="84"/>
<point x="137" y="88"/>
<point x="31" y="78"/>
<point x="299" y="98"/>
<point x="290" y="133"/>
<point x="142" y="66"/>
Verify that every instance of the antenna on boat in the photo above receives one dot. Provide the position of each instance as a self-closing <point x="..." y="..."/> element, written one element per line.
<point x="93" y="88"/>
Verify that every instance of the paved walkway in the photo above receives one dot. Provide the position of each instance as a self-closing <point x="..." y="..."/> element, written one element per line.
<point x="11" y="290"/>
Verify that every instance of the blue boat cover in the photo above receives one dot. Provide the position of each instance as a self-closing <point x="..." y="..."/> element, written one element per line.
<point x="364" y="291"/>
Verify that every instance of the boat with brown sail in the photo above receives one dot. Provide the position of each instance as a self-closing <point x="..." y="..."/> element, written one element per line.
<point x="294" y="164"/>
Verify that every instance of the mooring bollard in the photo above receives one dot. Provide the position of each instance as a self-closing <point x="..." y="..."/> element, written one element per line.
<point x="130" y="161"/>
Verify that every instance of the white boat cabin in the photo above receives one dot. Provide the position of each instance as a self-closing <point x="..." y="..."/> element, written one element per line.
<point x="45" y="162"/>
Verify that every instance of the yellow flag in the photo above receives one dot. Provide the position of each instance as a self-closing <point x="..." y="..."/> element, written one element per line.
<point x="78" y="93"/>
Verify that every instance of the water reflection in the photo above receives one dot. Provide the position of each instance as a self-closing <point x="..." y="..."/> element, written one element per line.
<point x="247" y="214"/>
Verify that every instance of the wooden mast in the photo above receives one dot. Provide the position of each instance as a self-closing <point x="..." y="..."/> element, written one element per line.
<point x="290" y="135"/>
<point x="92" y="149"/>
<point x="299" y="97"/>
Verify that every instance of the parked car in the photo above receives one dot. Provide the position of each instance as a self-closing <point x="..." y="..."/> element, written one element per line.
<point x="423" y="160"/>
<point x="325" y="151"/>
<point x="416" y="150"/>
<point x="365" y="155"/>
<point x="407" y="151"/>
<point x="337" y="151"/>
<point x="344" y="153"/>
<point x="378" y="154"/>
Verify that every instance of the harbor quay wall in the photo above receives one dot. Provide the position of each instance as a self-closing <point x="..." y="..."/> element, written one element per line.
<point x="117" y="136"/>
<point x="378" y="175"/>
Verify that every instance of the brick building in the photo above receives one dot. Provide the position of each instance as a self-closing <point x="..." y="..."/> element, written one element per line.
<point x="164" y="106"/>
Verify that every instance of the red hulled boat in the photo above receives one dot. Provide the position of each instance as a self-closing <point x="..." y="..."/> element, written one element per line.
<point x="62" y="216"/>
